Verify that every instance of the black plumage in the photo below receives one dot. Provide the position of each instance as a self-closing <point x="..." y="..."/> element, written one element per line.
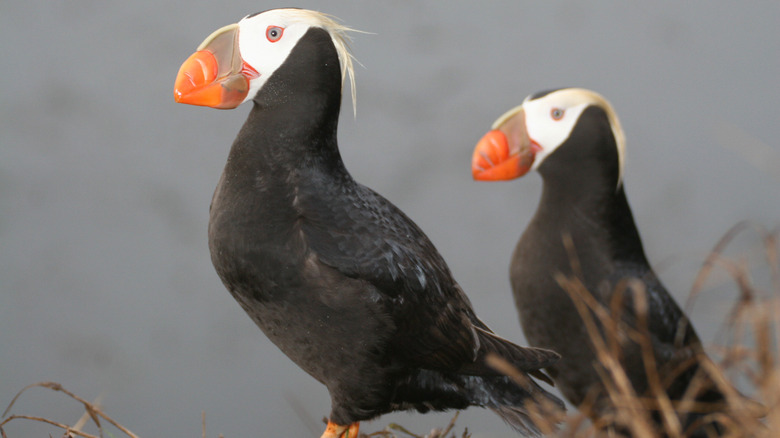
<point x="583" y="202"/>
<point x="341" y="280"/>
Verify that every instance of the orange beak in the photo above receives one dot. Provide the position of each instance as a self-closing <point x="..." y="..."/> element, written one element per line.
<point x="215" y="75"/>
<point x="506" y="152"/>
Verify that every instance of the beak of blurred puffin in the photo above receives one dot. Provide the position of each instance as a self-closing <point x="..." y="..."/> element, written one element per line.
<point x="506" y="152"/>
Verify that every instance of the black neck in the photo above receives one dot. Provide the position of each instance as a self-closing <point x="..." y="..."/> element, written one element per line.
<point x="581" y="195"/>
<point x="293" y="123"/>
<point x="586" y="211"/>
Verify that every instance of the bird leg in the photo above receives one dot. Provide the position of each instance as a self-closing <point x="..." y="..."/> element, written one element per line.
<point x="337" y="431"/>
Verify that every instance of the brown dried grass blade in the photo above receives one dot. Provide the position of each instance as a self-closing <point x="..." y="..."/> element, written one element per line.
<point x="93" y="410"/>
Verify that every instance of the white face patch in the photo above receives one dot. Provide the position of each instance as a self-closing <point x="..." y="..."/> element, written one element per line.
<point x="550" y="120"/>
<point x="259" y="51"/>
<point x="267" y="39"/>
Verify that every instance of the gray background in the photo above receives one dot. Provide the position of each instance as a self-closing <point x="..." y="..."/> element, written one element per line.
<point x="105" y="280"/>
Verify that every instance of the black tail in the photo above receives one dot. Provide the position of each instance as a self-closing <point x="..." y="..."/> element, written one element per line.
<point x="428" y="390"/>
<point x="523" y="358"/>
<point x="514" y="402"/>
<point x="511" y="397"/>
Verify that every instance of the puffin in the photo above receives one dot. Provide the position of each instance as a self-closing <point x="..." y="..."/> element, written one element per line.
<point x="336" y="276"/>
<point x="583" y="228"/>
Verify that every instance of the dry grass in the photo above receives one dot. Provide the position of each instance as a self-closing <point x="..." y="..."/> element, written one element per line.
<point x="748" y="354"/>
<point x="393" y="430"/>
<point x="92" y="411"/>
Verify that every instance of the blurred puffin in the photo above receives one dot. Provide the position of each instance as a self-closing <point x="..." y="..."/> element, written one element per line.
<point x="573" y="138"/>
<point x="343" y="282"/>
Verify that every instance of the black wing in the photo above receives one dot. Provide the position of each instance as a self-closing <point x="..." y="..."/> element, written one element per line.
<point x="676" y="346"/>
<point x="670" y="329"/>
<point x="361" y="234"/>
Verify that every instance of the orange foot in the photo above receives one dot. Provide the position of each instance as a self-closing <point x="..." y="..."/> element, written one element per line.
<point x="337" y="431"/>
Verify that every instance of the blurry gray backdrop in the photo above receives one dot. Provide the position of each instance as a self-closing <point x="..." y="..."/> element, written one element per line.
<point x="105" y="280"/>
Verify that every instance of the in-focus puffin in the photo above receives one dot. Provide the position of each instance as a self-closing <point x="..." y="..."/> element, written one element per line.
<point x="343" y="282"/>
<point x="573" y="138"/>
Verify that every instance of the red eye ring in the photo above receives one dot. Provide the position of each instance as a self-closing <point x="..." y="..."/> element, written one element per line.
<point x="274" y="33"/>
<point x="557" y="113"/>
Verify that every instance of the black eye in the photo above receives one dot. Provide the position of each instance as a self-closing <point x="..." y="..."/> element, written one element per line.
<point x="557" y="113"/>
<point x="274" y="33"/>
